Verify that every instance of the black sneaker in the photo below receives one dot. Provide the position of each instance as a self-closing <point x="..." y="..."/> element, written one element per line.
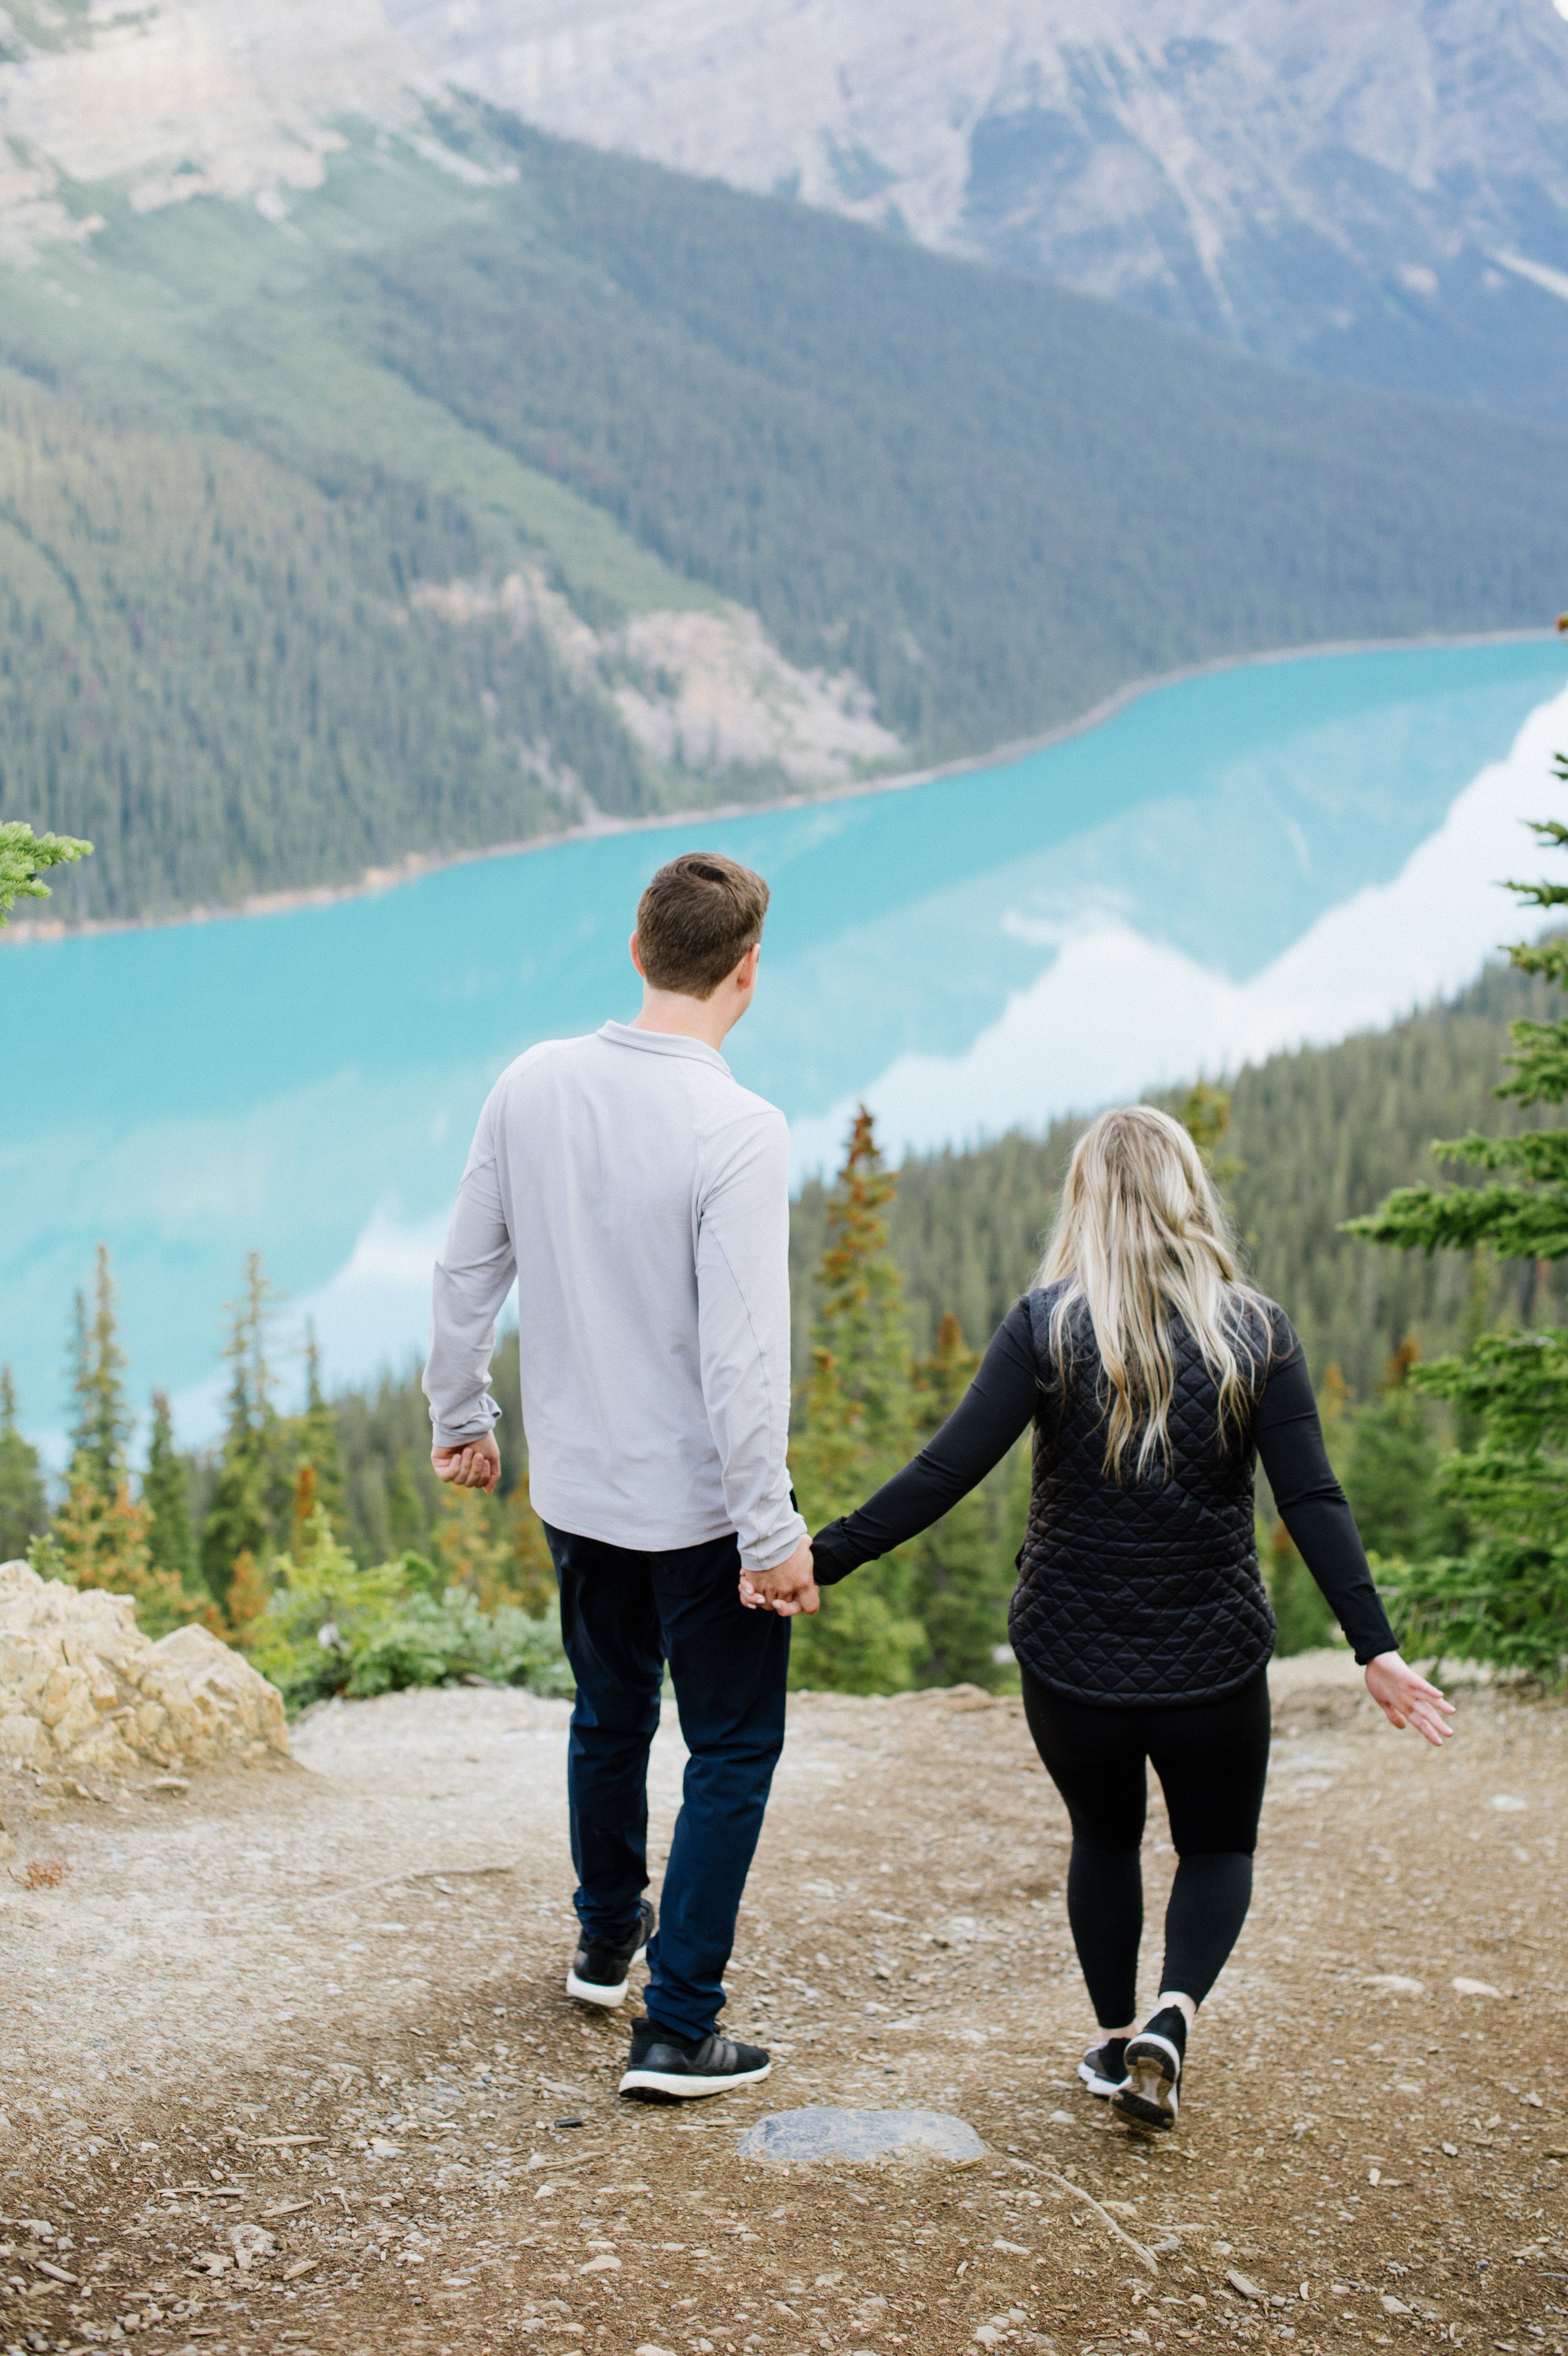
<point x="662" y="2067"/>
<point x="598" y="1974"/>
<point x="1104" y="2068"/>
<point x="1153" y="2059"/>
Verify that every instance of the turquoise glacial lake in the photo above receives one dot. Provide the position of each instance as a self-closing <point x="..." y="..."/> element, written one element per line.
<point x="1229" y="863"/>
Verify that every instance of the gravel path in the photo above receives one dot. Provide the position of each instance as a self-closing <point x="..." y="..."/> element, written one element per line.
<point x="285" y="2065"/>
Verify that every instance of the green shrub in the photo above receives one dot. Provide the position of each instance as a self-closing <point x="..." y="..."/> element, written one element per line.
<point x="329" y="1627"/>
<point x="432" y="1640"/>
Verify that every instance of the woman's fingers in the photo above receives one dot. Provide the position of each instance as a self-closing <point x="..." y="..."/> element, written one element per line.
<point x="1407" y="1698"/>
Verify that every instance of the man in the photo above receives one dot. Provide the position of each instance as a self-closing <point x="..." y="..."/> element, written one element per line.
<point x="640" y="1197"/>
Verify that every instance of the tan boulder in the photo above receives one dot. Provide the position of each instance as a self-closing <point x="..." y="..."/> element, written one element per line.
<point x="80" y="1684"/>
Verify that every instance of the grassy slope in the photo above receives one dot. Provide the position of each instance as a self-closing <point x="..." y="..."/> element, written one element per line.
<point x="996" y="500"/>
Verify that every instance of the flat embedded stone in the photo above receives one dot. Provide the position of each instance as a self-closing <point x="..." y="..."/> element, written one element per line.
<point x="818" y="2135"/>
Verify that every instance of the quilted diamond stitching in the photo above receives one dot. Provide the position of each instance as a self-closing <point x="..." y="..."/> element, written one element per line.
<point x="1147" y="1591"/>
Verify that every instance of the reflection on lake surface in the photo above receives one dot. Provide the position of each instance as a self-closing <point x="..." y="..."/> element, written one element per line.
<point x="1233" y="863"/>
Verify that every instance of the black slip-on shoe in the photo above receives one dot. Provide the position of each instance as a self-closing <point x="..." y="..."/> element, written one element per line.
<point x="598" y="1974"/>
<point x="1154" y="2060"/>
<point x="1104" y="2068"/>
<point x="664" y="2067"/>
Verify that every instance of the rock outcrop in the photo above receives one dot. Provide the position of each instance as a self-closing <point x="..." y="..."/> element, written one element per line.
<point x="81" y="1686"/>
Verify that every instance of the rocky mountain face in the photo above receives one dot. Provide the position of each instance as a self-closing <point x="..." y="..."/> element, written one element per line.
<point x="1375" y="189"/>
<point x="1370" y="188"/>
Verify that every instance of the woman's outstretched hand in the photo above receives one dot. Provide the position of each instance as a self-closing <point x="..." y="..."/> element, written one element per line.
<point x="1405" y="1698"/>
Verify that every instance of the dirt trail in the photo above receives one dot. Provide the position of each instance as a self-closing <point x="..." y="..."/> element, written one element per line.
<point x="286" y="2064"/>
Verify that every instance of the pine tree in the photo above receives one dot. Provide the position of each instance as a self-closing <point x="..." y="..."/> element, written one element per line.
<point x="316" y="1438"/>
<point x="98" y="1541"/>
<point x="102" y="1424"/>
<point x="165" y="1493"/>
<point x="1524" y="1216"/>
<point x="856" y="1425"/>
<point x="243" y="1511"/>
<point x="1503" y="1599"/>
<point x="1205" y="1115"/>
<point x="860" y="1312"/>
<point x="250" y="1593"/>
<point x="471" y="1550"/>
<point x="532" y="1568"/>
<point x="24" y="1502"/>
<point x="1390" y="1469"/>
<point x="962" y="1577"/>
<point x="1301" y="1612"/>
<point x="408" y="1519"/>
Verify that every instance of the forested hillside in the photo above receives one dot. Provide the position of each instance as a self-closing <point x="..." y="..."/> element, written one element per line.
<point x="1320" y="1135"/>
<point x="209" y="660"/>
<point x="241" y="459"/>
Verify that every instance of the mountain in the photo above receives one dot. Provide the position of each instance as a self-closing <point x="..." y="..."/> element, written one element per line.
<point x="381" y="478"/>
<point x="1374" y="189"/>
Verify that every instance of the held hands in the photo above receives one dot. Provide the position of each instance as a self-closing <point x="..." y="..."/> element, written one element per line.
<point x="1405" y="1698"/>
<point x="476" y="1465"/>
<point x="787" y="1589"/>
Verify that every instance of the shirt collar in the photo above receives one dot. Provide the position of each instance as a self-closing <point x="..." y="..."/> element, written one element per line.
<point x="663" y="1043"/>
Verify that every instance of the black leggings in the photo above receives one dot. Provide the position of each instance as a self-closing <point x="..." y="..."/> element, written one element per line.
<point x="1211" y="1758"/>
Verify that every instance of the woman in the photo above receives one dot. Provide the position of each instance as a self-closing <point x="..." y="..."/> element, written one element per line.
<point x="1154" y="1378"/>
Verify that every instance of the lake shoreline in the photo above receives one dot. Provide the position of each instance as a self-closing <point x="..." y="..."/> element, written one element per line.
<point x="419" y="864"/>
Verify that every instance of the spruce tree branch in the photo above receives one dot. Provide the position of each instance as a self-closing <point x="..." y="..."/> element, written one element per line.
<point x="1540" y="1064"/>
<point x="1519" y="1225"/>
<point x="26" y="856"/>
<point x="1538" y="1153"/>
<point x="1549" y="956"/>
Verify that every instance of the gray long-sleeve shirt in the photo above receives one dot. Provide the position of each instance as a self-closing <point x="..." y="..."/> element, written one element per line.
<point x="640" y="1197"/>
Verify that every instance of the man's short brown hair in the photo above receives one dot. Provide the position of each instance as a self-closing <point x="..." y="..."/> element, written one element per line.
<point x="696" y="920"/>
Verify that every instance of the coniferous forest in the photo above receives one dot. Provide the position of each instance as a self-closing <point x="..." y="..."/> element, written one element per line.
<point x="319" y="1539"/>
<point x="222" y="504"/>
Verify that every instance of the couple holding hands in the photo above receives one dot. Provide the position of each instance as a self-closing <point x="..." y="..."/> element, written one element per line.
<point x="638" y="1197"/>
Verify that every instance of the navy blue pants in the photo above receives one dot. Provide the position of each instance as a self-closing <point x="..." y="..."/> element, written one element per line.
<point x="623" y="1615"/>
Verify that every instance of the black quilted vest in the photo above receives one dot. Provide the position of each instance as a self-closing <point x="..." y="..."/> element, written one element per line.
<point x="1146" y="1590"/>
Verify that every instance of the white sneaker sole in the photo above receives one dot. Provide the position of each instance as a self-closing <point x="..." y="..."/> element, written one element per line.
<point x="607" y="1994"/>
<point x="683" y="2086"/>
<point x="1149" y="2095"/>
<point x="1104" y="2088"/>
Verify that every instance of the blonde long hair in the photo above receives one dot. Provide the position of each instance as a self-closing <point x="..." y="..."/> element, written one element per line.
<point x="1139" y="1240"/>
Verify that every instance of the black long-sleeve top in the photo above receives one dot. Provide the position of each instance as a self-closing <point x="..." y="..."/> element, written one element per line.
<point x="1003" y="1399"/>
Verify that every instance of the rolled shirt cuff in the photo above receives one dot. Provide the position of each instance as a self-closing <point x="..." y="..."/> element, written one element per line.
<point x="766" y="1553"/>
<point x="461" y="1435"/>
